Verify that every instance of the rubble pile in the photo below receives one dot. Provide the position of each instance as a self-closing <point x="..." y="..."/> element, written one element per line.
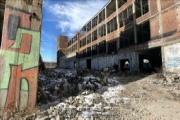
<point x="78" y="95"/>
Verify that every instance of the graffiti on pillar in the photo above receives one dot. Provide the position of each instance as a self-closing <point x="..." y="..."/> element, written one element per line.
<point x="19" y="59"/>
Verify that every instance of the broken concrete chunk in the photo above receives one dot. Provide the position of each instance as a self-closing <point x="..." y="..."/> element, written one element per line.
<point x="106" y="69"/>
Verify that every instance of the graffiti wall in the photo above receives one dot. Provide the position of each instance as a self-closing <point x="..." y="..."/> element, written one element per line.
<point x="19" y="57"/>
<point x="172" y="58"/>
<point x="110" y="60"/>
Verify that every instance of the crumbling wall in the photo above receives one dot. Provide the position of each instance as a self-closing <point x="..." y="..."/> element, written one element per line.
<point x="172" y="58"/>
<point x="19" y="55"/>
<point x="101" y="62"/>
<point x="111" y="60"/>
<point x="62" y="62"/>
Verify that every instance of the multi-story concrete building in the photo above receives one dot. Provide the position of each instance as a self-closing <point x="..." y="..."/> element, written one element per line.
<point x="129" y="35"/>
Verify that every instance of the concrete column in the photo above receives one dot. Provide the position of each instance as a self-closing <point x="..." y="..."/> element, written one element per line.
<point x="106" y="29"/>
<point x="160" y="18"/>
<point x="117" y="23"/>
<point x="19" y="55"/>
<point x="134" y="23"/>
<point x="141" y="7"/>
<point x="135" y="36"/>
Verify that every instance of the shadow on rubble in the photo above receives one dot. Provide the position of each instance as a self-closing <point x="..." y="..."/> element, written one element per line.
<point x="60" y="84"/>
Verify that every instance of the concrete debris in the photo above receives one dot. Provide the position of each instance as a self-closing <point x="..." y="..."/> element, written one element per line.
<point x="82" y="94"/>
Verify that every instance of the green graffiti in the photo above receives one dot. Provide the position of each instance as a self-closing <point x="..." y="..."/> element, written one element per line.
<point x="24" y="84"/>
<point x="26" y="60"/>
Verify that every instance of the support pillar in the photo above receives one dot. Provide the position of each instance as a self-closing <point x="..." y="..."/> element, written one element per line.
<point x="19" y="55"/>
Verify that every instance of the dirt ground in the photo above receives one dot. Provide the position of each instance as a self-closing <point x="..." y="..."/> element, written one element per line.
<point x="149" y="98"/>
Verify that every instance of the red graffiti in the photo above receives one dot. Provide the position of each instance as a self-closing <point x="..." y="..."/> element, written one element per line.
<point x="14" y="87"/>
<point x="24" y="22"/>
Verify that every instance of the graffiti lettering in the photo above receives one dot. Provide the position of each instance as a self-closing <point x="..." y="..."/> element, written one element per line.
<point x="19" y="59"/>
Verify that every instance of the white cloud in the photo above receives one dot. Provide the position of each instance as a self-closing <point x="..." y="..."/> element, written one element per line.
<point x="72" y="15"/>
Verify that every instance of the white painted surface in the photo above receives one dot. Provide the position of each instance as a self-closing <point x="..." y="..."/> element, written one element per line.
<point x="172" y="58"/>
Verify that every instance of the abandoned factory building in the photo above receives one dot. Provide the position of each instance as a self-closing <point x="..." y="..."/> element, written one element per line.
<point x="127" y="35"/>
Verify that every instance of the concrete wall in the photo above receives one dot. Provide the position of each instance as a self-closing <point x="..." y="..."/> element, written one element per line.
<point x="19" y="55"/>
<point x="50" y="64"/>
<point x="101" y="62"/>
<point x="110" y="60"/>
<point x="62" y="62"/>
<point x="172" y="58"/>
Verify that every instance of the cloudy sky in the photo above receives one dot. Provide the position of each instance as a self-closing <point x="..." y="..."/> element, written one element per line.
<point x="64" y="17"/>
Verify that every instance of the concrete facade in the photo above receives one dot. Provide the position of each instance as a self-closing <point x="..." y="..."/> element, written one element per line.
<point x="136" y="32"/>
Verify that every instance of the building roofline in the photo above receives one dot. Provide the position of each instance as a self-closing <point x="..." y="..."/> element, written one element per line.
<point x="93" y="17"/>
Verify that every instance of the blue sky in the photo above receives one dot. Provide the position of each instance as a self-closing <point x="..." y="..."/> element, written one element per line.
<point x="64" y="17"/>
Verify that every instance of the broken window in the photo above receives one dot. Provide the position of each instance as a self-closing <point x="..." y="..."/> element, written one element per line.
<point x="126" y="16"/>
<point x="111" y="8"/>
<point x="88" y="51"/>
<point x="84" y="53"/>
<point x="102" y="16"/>
<point x="102" y="31"/>
<point x="89" y="39"/>
<point x="141" y="7"/>
<point x="88" y="26"/>
<point x="112" y="47"/>
<point x="94" y="49"/>
<point x="121" y="3"/>
<point x="126" y="38"/>
<point x="95" y="21"/>
<point x="112" y="25"/>
<point x="102" y="47"/>
<point x="83" y="31"/>
<point x="94" y="35"/>
<point x="143" y="32"/>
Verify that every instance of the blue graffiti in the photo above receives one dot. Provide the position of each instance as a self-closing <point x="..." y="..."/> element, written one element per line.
<point x="173" y="62"/>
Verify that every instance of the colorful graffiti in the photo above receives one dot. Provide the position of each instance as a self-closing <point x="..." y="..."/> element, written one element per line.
<point x="19" y="59"/>
<point x="172" y="58"/>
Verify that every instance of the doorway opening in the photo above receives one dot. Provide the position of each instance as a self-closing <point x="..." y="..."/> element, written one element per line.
<point x="124" y="65"/>
<point x="74" y="64"/>
<point x="88" y="63"/>
<point x="150" y="60"/>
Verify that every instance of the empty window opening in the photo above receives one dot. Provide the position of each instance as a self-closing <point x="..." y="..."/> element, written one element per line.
<point x="83" y="31"/>
<point x="102" y="31"/>
<point x="112" y="47"/>
<point x="141" y="7"/>
<point x="74" y="64"/>
<point x="94" y="49"/>
<point x="83" y="42"/>
<point x="124" y="65"/>
<point x="126" y="16"/>
<point x="121" y="3"/>
<point x="94" y="35"/>
<point x="112" y="25"/>
<point x="89" y="39"/>
<point x="88" y="27"/>
<point x="88" y="51"/>
<point x="126" y="38"/>
<point x="111" y="8"/>
<point x="143" y="32"/>
<point x="102" y="47"/>
<point x="95" y="21"/>
<point x="102" y="16"/>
